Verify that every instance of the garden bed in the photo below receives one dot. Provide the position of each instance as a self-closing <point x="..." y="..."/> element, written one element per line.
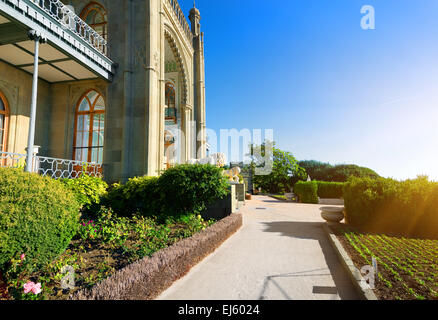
<point x="407" y="268"/>
<point x="99" y="250"/>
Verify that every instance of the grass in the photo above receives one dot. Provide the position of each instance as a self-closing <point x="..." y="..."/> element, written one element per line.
<point x="100" y="248"/>
<point x="407" y="268"/>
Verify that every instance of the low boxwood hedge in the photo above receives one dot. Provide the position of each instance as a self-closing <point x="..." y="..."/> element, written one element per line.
<point x="38" y="217"/>
<point x="408" y="208"/>
<point x="307" y="191"/>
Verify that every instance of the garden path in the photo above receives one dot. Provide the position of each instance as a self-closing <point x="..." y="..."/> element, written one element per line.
<point x="281" y="252"/>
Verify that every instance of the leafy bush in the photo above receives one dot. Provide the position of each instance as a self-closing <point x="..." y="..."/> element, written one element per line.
<point x="181" y="190"/>
<point x="186" y="189"/>
<point x="38" y="217"/>
<point x="87" y="189"/>
<point x="307" y="191"/>
<point x="407" y="208"/>
<point x="330" y="190"/>
<point x="139" y="194"/>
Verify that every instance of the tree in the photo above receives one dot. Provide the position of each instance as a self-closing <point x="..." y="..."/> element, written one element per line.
<point x="285" y="169"/>
<point x="339" y="173"/>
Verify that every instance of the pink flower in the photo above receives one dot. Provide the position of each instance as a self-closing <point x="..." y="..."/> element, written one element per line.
<point x="36" y="288"/>
<point x="28" y="287"/>
<point x="22" y="257"/>
<point x="32" y="287"/>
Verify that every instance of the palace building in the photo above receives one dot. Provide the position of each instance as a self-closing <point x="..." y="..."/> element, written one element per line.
<point x="112" y="86"/>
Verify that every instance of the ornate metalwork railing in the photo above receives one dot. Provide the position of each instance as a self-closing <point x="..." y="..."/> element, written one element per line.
<point x="67" y="18"/>
<point x="181" y="18"/>
<point x="12" y="160"/>
<point x="52" y="167"/>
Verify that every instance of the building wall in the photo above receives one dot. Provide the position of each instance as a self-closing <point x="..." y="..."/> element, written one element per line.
<point x="135" y="100"/>
<point x="16" y="85"/>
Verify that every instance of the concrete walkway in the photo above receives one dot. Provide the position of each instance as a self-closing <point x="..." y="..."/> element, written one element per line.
<point x="280" y="253"/>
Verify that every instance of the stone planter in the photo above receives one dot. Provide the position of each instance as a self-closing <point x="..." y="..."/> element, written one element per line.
<point x="332" y="214"/>
<point x="289" y="196"/>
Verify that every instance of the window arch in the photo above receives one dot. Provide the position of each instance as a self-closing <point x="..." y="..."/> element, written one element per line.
<point x="89" y="128"/>
<point x="94" y="14"/>
<point x="170" y="112"/>
<point x="4" y="118"/>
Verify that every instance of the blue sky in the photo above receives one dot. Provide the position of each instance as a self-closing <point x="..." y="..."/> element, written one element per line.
<point x="330" y="90"/>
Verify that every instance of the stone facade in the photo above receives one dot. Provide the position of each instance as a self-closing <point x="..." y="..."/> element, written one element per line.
<point x="152" y="45"/>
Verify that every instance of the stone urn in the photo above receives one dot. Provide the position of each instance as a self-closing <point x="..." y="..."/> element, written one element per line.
<point x="332" y="214"/>
<point x="289" y="196"/>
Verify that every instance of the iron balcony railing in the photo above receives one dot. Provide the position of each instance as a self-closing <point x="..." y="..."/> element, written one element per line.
<point x="67" y="18"/>
<point x="51" y="167"/>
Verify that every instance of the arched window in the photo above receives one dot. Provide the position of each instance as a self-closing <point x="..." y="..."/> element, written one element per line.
<point x="95" y="16"/>
<point x="4" y="117"/>
<point x="170" y="112"/>
<point x="90" y="128"/>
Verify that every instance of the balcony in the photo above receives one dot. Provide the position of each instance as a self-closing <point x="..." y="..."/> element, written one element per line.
<point x="74" y="51"/>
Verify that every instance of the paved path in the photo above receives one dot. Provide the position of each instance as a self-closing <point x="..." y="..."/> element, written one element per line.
<point x="281" y="252"/>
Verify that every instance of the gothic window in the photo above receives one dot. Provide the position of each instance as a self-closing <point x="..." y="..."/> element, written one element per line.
<point x="95" y="16"/>
<point x="90" y="128"/>
<point x="4" y="116"/>
<point x="170" y="111"/>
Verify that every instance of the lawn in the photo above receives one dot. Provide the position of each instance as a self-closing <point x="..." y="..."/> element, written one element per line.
<point x="407" y="268"/>
<point x="100" y="248"/>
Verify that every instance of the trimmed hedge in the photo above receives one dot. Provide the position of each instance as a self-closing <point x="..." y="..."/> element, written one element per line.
<point x="408" y="208"/>
<point x="139" y="195"/>
<point x="38" y="217"/>
<point x="147" y="278"/>
<point x="181" y="190"/>
<point x="307" y="191"/>
<point x="330" y="190"/>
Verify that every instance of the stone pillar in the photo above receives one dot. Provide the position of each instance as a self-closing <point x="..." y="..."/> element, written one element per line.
<point x="199" y="81"/>
<point x="133" y="116"/>
<point x="186" y="129"/>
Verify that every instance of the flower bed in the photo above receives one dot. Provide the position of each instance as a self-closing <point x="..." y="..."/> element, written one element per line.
<point x="407" y="268"/>
<point x="101" y="248"/>
<point x="147" y="278"/>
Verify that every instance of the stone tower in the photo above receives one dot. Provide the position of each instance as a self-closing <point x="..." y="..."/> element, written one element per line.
<point x="199" y="81"/>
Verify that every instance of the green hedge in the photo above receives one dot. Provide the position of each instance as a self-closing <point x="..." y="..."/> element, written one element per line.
<point x="307" y="191"/>
<point x="87" y="189"/>
<point x="408" y="208"/>
<point x="181" y="190"/>
<point x="38" y="217"/>
<point x="139" y="194"/>
<point x="330" y="190"/>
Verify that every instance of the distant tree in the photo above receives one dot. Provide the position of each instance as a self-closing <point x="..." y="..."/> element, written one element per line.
<point x="315" y="169"/>
<point x="339" y="173"/>
<point x="285" y="168"/>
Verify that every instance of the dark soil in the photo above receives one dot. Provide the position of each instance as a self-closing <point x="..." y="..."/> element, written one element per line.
<point x="398" y="291"/>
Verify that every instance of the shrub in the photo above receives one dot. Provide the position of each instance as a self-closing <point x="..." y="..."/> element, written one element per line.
<point x="38" y="217"/>
<point x="307" y="191"/>
<point x="186" y="188"/>
<point x="407" y="208"/>
<point x="330" y="190"/>
<point x="87" y="189"/>
<point x="137" y="195"/>
<point x="181" y="190"/>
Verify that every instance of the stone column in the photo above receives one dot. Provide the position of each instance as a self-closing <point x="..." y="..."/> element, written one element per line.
<point x="186" y="129"/>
